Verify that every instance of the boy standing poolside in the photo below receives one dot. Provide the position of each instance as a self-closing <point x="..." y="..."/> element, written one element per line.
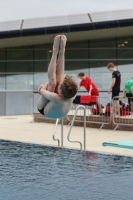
<point x="57" y="95"/>
<point x="115" y="87"/>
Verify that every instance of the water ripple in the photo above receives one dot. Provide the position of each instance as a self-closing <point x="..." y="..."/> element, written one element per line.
<point x="35" y="172"/>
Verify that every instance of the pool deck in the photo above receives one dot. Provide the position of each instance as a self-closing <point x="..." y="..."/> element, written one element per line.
<point x="20" y="128"/>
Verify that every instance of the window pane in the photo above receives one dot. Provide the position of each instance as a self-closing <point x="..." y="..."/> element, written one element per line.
<point x="103" y="43"/>
<point x="102" y="80"/>
<point x="20" y="66"/>
<point x="2" y="66"/>
<point x="109" y="54"/>
<point x="103" y="49"/>
<point x="125" y="53"/>
<point x="2" y="54"/>
<point x="22" y="53"/>
<point x="124" y="43"/>
<point x="73" y="68"/>
<point x="76" y="65"/>
<point x="40" y="78"/>
<point x="125" y="66"/>
<point x="40" y="53"/>
<point x="78" y="44"/>
<point x="125" y="77"/>
<point x="41" y="66"/>
<point x="76" y="53"/>
<point x="2" y="60"/>
<point x="99" y="66"/>
<point x="19" y="82"/>
<point x="125" y="50"/>
<point x="2" y="82"/>
<point x="43" y="52"/>
<point x="77" y="50"/>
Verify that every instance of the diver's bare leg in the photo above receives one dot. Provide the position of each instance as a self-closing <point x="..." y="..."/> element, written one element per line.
<point x="61" y="61"/>
<point x="51" y="73"/>
<point x="53" y="64"/>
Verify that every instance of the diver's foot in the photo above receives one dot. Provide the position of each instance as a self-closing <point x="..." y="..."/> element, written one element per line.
<point x="63" y="43"/>
<point x="56" y="44"/>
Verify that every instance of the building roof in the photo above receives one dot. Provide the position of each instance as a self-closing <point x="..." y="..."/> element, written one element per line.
<point x="78" y="27"/>
<point x="66" y="23"/>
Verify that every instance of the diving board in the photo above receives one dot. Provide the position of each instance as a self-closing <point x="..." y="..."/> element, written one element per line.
<point x="127" y="144"/>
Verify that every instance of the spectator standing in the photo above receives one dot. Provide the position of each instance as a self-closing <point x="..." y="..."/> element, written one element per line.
<point x="115" y="87"/>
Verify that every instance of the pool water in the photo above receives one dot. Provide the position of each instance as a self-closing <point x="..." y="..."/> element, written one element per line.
<point x="35" y="172"/>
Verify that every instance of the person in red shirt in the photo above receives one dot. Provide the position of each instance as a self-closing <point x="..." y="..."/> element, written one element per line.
<point x="92" y="89"/>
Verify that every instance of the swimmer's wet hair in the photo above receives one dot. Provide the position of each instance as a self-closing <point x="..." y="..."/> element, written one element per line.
<point x="110" y="65"/>
<point x="69" y="87"/>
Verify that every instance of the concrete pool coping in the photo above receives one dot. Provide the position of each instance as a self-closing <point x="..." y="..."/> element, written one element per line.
<point x="20" y="128"/>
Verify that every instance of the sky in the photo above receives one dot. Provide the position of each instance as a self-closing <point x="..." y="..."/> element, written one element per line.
<point x="25" y="9"/>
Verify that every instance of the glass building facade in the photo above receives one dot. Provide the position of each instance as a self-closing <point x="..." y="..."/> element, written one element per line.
<point x="24" y="68"/>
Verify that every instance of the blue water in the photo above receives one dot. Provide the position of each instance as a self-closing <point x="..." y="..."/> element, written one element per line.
<point x="35" y="172"/>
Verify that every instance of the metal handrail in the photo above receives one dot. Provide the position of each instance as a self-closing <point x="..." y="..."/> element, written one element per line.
<point x="55" y="128"/>
<point x="80" y="106"/>
<point x="92" y="121"/>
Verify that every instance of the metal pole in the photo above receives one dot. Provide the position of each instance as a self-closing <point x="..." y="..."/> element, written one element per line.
<point x="55" y="127"/>
<point x="72" y="122"/>
<point x="84" y="129"/>
<point x="62" y="132"/>
<point x="32" y="106"/>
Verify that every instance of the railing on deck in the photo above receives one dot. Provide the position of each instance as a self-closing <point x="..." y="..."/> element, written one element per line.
<point x="126" y="118"/>
<point x="96" y="118"/>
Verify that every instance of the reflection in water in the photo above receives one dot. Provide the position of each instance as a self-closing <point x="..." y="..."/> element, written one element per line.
<point x="35" y="172"/>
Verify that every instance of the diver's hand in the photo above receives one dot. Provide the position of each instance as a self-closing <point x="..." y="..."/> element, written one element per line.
<point x="39" y="88"/>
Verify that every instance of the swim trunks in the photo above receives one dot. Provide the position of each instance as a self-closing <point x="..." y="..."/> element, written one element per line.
<point x="41" y="111"/>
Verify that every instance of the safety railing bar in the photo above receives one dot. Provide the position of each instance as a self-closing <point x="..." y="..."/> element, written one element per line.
<point x="32" y="107"/>
<point x="102" y="126"/>
<point x="54" y="131"/>
<point x="104" y="123"/>
<point x="113" y="115"/>
<point x="84" y="128"/>
<point x="96" y="121"/>
<point x="69" y="123"/>
<point x="80" y="106"/>
<point x="120" y="123"/>
<point x="116" y="127"/>
<point x="89" y="122"/>
<point x="62" y="132"/>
